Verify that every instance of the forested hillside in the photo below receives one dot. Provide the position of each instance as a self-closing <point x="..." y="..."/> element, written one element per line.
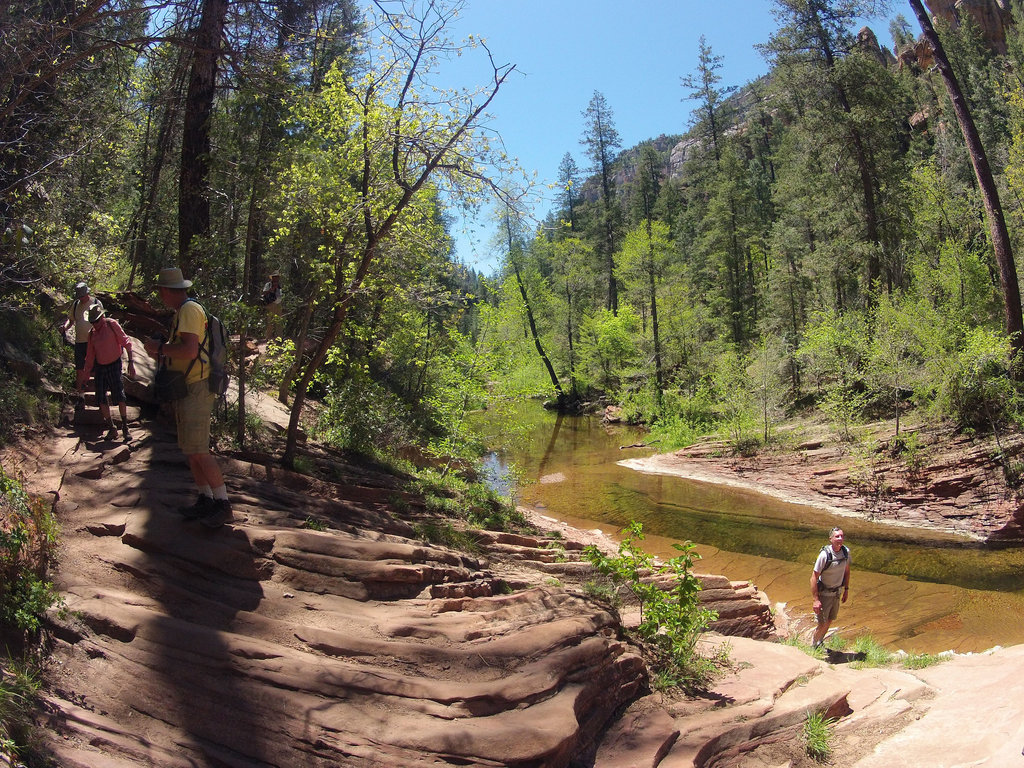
<point x="820" y="238"/>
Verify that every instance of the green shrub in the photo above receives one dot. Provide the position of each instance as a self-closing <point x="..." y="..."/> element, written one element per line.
<point x="684" y="419"/>
<point x="601" y="591"/>
<point x="920" y="660"/>
<point x="365" y="418"/>
<point x="976" y="389"/>
<point x="874" y="654"/>
<point x="225" y="427"/>
<point x="446" y="534"/>
<point x="671" y="619"/>
<point x="909" y="448"/>
<point x="28" y="545"/>
<point x="818" y="736"/>
<point x="19" y="686"/>
<point x="449" y="495"/>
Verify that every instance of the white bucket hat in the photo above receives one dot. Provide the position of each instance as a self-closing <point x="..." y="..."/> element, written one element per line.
<point x="171" y="277"/>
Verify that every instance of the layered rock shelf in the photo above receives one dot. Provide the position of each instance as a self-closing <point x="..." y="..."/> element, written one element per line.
<point x="273" y="642"/>
<point x="960" y="488"/>
<point x="320" y="629"/>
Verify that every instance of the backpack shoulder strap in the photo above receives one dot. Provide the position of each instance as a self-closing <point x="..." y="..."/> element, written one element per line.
<point x="174" y="331"/>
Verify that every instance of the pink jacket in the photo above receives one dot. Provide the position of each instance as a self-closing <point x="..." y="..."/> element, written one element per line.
<point x="106" y="340"/>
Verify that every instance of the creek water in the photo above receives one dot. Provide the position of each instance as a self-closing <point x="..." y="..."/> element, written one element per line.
<point x="921" y="591"/>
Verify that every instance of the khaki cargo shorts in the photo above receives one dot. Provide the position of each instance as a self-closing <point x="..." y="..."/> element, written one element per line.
<point x="829" y="605"/>
<point x="192" y="415"/>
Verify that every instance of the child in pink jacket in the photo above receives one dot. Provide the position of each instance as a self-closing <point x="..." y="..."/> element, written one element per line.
<point x="106" y="340"/>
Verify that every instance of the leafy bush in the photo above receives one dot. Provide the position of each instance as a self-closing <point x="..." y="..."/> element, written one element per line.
<point x="364" y="417"/>
<point x="911" y="450"/>
<point x="28" y="543"/>
<point x="684" y="419"/>
<point x="225" y="427"/>
<point x="446" y="534"/>
<point x="977" y="389"/>
<point x="449" y="495"/>
<point x="671" y="619"/>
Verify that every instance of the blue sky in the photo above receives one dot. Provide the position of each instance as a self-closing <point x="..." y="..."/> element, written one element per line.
<point x="633" y="53"/>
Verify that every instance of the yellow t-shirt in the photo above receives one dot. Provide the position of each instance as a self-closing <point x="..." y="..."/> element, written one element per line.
<point x="190" y="318"/>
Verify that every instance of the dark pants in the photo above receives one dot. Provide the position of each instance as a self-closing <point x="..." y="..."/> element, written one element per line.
<point x="108" y="378"/>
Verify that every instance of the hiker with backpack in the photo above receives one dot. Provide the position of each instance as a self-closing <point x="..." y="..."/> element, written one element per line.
<point x="188" y="351"/>
<point x="830" y="583"/>
<point x="78" y="319"/>
<point x="103" y="356"/>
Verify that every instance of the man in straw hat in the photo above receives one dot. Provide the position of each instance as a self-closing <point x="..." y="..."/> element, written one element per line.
<point x="106" y="340"/>
<point x="192" y="415"/>
<point x="77" y="318"/>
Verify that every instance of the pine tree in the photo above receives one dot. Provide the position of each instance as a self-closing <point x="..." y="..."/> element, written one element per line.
<point x="601" y="140"/>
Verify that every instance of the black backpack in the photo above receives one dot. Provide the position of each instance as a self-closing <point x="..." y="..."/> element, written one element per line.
<point x="831" y="556"/>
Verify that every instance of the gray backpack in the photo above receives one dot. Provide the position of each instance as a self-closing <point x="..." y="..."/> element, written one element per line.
<point x="215" y="345"/>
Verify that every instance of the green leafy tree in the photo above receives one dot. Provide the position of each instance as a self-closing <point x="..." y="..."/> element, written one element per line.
<point x="568" y="186"/>
<point x="514" y="259"/>
<point x="765" y="369"/>
<point x="843" y="98"/>
<point x="671" y="618"/>
<point x="834" y="349"/>
<point x="609" y="345"/>
<point x="375" y="147"/>
<point x="1000" y="236"/>
<point x="642" y="262"/>
<point x="894" y="360"/>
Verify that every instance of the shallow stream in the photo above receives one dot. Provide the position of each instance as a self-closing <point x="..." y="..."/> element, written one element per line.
<point x="917" y="590"/>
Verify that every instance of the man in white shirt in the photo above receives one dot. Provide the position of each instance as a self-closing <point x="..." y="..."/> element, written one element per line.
<point x="830" y="582"/>
<point x="78" y="318"/>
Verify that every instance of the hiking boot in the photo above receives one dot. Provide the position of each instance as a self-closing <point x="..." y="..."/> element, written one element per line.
<point x="200" y="508"/>
<point x="219" y="512"/>
<point x="126" y="434"/>
<point x="111" y="433"/>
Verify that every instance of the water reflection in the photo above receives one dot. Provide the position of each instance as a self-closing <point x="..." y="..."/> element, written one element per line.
<point x="918" y="590"/>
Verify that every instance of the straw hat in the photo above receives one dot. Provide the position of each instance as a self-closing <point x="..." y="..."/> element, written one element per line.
<point x="96" y="311"/>
<point x="171" y="277"/>
<point x="81" y="289"/>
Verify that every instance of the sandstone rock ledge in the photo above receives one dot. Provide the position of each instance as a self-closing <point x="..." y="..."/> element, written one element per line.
<point x="271" y="644"/>
<point x="268" y="643"/>
<point x="959" y="489"/>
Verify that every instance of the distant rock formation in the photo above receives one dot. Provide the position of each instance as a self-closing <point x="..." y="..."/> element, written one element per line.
<point x="868" y="42"/>
<point x="992" y="17"/>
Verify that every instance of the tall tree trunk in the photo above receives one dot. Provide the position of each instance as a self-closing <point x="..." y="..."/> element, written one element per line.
<point x="989" y="194"/>
<point x="529" y="316"/>
<point x="193" y="192"/>
<point x="149" y="185"/>
<point x="652" y="285"/>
